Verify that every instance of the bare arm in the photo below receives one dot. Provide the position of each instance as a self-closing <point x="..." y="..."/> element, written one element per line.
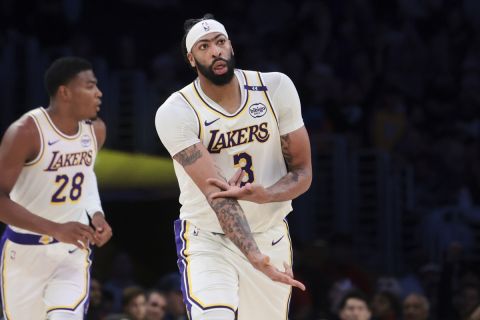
<point x="296" y="152"/>
<point x="199" y="165"/>
<point x="297" y="155"/>
<point x="20" y="144"/>
<point x="100" y="132"/>
<point x="103" y="231"/>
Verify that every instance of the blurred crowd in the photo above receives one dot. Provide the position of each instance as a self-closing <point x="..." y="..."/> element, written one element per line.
<point x="402" y="77"/>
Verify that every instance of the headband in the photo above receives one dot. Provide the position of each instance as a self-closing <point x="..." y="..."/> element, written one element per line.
<point x="202" y="28"/>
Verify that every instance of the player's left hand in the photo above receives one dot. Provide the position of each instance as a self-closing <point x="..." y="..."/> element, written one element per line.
<point x="232" y="189"/>
<point x="103" y="231"/>
<point x="263" y="264"/>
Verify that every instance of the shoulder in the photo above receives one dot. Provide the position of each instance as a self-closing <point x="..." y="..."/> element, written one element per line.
<point x="275" y="80"/>
<point x="174" y="106"/>
<point x="23" y="136"/>
<point x="24" y="129"/>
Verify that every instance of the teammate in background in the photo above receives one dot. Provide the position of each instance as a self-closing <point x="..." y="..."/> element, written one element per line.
<point x="48" y="195"/>
<point x="232" y="239"/>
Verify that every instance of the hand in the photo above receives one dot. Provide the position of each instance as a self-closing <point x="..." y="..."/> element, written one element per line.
<point x="103" y="231"/>
<point x="75" y="233"/>
<point x="262" y="263"/>
<point x="250" y="191"/>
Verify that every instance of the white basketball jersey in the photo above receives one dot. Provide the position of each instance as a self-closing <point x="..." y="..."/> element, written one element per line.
<point x="55" y="184"/>
<point x="248" y="139"/>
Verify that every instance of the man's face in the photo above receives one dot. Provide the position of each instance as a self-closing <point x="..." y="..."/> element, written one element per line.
<point x="414" y="308"/>
<point x="213" y="58"/>
<point x="355" y="309"/>
<point x="83" y="95"/>
<point x="156" y="306"/>
<point x="136" y="308"/>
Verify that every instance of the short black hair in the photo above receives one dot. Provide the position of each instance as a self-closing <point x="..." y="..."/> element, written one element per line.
<point x="62" y="70"/>
<point x="353" y="294"/>
<point x="187" y="25"/>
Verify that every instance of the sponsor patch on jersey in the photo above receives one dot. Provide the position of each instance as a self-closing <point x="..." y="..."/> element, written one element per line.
<point x="85" y="140"/>
<point x="257" y="110"/>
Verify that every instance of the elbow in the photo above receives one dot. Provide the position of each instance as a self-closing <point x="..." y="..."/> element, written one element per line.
<point x="308" y="182"/>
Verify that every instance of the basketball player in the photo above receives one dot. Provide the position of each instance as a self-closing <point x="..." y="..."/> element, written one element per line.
<point x="247" y="126"/>
<point x="48" y="195"/>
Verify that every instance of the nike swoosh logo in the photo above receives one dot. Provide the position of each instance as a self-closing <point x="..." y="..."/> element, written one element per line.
<point x="209" y="123"/>
<point x="275" y="242"/>
<point x="53" y="142"/>
<point x="72" y="251"/>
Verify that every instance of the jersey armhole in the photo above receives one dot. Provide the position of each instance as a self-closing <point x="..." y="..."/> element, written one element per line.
<point x="42" y="144"/>
<point x="92" y="131"/>
<point x="200" y="133"/>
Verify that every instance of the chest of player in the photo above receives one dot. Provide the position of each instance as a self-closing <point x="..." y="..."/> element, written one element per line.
<point x="252" y="127"/>
<point x="63" y="155"/>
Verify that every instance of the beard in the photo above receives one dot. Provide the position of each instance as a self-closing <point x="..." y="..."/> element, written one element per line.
<point x="218" y="79"/>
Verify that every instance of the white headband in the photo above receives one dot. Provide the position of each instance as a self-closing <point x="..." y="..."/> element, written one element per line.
<point x="202" y="28"/>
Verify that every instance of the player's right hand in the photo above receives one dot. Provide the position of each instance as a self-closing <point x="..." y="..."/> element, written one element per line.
<point x="262" y="263"/>
<point x="75" y="233"/>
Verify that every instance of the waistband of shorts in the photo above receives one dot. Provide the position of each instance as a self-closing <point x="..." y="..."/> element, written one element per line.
<point x="27" y="238"/>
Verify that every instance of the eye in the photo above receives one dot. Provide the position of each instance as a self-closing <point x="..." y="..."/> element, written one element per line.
<point x="221" y="41"/>
<point x="203" y="46"/>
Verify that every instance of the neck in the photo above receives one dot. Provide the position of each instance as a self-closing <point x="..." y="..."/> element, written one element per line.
<point x="64" y="121"/>
<point x="228" y="95"/>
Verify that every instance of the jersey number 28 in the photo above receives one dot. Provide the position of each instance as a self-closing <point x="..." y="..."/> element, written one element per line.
<point x="75" y="191"/>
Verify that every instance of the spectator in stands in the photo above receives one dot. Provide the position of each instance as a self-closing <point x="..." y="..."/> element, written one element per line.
<point x="170" y="284"/>
<point x="354" y="306"/>
<point x="415" y="307"/>
<point x="156" y="305"/>
<point x="385" y="306"/>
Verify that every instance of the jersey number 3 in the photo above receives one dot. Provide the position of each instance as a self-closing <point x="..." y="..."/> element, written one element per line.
<point x="244" y="160"/>
<point x="75" y="191"/>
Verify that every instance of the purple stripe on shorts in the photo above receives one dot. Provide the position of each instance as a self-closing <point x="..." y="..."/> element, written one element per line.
<point x="2" y="244"/>
<point x="180" y="228"/>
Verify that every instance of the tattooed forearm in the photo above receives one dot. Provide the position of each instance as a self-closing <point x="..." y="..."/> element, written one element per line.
<point x="235" y="224"/>
<point x="285" y="143"/>
<point x="188" y="156"/>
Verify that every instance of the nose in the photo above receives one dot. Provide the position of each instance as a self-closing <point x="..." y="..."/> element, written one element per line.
<point x="216" y="51"/>
<point x="99" y="93"/>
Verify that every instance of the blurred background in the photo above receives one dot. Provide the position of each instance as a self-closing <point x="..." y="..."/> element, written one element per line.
<point x="390" y="93"/>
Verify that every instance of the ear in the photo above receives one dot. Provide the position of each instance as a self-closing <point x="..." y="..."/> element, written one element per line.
<point x="63" y="92"/>
<point x="191" y="59"/>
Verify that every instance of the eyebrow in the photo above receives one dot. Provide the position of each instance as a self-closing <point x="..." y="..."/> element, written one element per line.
<point x="214" y="38"/>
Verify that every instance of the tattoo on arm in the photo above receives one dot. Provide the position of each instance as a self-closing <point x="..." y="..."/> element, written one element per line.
<point x="285" y="143"/>
<point x="188" y="156"/>
<point x="234" y="224"/>
<point x="293" y="174"/>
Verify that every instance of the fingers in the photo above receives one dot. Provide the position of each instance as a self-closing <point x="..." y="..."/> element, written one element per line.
<point x="287" y="279"/>
<point x="104" y="236"/>
<point x="288" y="269"/>
<point x="298" y="284"/>
<point x="223" y="194"/>
<point x="85" y="234"/>
<point x="218" y="183"/>
<point x="240" y="178"/>
<point x="234" y="179"/>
